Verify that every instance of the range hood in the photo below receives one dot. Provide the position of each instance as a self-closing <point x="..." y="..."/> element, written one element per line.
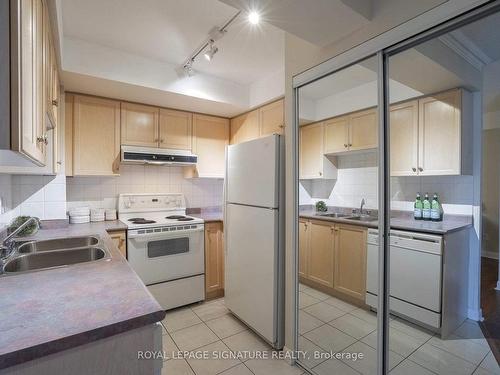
<point x="156" y="156"/>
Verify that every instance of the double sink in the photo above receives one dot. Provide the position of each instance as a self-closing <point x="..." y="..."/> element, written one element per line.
<point x="59" y="252"/>
<point x="362" y="218"/>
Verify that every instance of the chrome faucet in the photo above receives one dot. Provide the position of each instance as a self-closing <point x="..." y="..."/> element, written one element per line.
<point x="361" y="206"/>
<point x="7" y="246"/>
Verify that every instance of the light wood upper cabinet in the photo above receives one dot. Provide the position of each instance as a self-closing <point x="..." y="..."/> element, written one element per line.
<point x="68" y="133"/>
<point x="350" y="260"/>
<point x="96" y="136"/>
<point x="29" y="135"/>
<point x="266" y="120"/>
<point x="336" y="135"/>
<point x="313" y="164"/>
<point x="210" y="138"/>
<point x="303" y="246"/>
<point x="175" y="129"/>
<point x="432" y="135"/>
<point x="403" y="121"/>
<point x="272" y="118"/>
<point x="139" y="125"/>
<point x="363" y="130"/>
<point x="321" y="253"/>
<point x="214" y="260"/>
<point x="245" y="127"/>
<point x="353" y="132"/>
<point x="439" y="151"/>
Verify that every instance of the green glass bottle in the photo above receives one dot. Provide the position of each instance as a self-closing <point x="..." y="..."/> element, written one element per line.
<point x="436" y="209"/>
<point x="426" y="210"/>
<point x="417" y="208"/>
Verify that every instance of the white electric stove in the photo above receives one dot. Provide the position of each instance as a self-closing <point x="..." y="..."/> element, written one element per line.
<point x="165" y="247"/>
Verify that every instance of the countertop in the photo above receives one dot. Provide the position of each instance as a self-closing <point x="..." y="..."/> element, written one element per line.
<point x="210" y="214"/>
<point x="404" y="221"/>
<point x="50" y="311"/>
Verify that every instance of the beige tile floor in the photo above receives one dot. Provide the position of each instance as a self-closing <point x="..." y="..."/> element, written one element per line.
<point x="210" y="328"/>
<point x="329" y="324"/>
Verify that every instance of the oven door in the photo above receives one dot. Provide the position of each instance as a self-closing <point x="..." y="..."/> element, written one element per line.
<point x="163" y="254"/>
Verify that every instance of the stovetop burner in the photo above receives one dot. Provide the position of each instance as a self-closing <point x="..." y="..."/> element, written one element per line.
<point x="176" y="217"/>
<point x="142" y="221"/>
<point x="136" y="218"/>
<point x="185" y="219"/>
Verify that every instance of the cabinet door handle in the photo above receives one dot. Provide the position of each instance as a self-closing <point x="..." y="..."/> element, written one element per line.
<point x="55" y="103"/>
<point x="350" y="144"/>
<point x="414" y="169"/>
<point x="420" y="169"/>
<point x="162" y="140"/>
<point x="282" y="126"/>
<point x="345" y="145"/>
<point x="320" y="173"/>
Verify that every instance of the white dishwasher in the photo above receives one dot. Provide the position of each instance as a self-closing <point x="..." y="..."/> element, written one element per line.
<point x="415" y="275"/>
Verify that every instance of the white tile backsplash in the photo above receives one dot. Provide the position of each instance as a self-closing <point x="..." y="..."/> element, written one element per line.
<point x="103" y="191"/>
<point x="41" y="196"/>
<point x="358" y="179"/>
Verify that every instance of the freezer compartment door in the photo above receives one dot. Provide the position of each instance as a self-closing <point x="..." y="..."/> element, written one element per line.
<point x="251" y="284"/>
<point x="253" y="172"/>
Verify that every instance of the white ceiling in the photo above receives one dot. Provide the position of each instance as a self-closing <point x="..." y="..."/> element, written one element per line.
<point x="318" y="21"/>
<point x="484" y="34"/>
<point x="170" y="30"/>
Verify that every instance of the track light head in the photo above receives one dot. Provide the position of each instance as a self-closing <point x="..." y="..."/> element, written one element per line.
<point x="188" y="68"/>
<point x="212" y="50"/>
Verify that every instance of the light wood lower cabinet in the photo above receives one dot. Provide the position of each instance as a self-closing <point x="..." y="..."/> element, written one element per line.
<point x="350" y="260"/>
<point x="321" y="253"/>
<point x="303" y="246"/>
<point x="214" y="260"/>
<point x="120" y="240"/>
<point x="332" y="257"/>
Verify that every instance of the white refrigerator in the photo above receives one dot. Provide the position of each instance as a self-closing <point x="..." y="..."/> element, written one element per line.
<point x="254" y="236"/>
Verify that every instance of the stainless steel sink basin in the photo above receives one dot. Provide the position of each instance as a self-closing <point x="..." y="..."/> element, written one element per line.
<point x="362" y="218"/>
<point x="336" y="214"/>
<point x="50" y="259"/>
<point x="57" y="244"/>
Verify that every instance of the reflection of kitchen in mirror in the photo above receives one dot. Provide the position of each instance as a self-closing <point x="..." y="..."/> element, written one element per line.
<point x="338" y="200"/>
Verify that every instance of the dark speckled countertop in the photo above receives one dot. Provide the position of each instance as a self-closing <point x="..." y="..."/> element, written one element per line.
<point x="50" y="311"/>
<point x="403" y="220"/>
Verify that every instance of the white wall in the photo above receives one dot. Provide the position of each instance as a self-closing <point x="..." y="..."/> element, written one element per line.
<point x="358" y="179"/>
<point x="103" y="191"/>
<point x="268" y="88"/>
<point x="40" y="196"/>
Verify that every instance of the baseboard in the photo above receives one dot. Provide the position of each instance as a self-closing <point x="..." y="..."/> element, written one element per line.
<point x="489" y="254"/>
<point x="474" y="314"/>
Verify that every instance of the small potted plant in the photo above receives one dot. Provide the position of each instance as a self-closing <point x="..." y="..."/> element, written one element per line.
<point x="321" y="206"/>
